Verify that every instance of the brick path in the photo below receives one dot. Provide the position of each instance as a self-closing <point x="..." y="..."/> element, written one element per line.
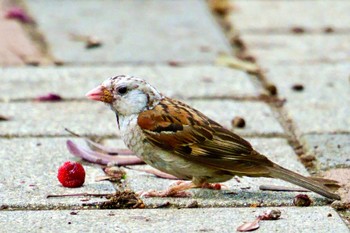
<point x="174" y="45"/>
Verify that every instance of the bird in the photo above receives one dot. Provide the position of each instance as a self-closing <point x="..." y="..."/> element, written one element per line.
<point x="177" y="139"/>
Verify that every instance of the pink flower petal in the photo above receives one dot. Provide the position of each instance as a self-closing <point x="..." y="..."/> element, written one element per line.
<point x="18" y="14"/>
<point x="50" y="97"/>
<point x="249" y="226"/>
<point x="101" y="158"/>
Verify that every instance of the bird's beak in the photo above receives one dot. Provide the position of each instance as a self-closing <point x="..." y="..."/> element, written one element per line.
<point x="100" y="93"/>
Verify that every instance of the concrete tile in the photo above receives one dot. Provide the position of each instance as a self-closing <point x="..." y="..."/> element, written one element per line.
<point x="29" y="174"/>
<point x="268" y="16"/>
<point x="243" y="193"/>
<point x="50" y="119"/>
<point x="130" y="30"/>
<point x="322" y="106"/>
<point x="195" y="81"/>
<point x="314" y="219"/>
<point x="297" y="49"/>
<point x="331" y="150"/>
<point x="96" y="119"/>
<point x="258" y="116"/>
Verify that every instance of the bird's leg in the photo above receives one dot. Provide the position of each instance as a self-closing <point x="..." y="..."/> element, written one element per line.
<point x="175" y="190"/>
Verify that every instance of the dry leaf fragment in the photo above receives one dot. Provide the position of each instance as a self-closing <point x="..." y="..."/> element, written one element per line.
<point x="4" y="118"/>
<point x="267" y="215"/>
<point x="249" y="226"/>
<point x="236" y="63"/>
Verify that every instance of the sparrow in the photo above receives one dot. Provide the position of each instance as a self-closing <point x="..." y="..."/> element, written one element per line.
<point x="177" y="139"/>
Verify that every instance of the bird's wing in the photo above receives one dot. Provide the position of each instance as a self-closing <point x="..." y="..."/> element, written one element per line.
<point x="176" y="127"/>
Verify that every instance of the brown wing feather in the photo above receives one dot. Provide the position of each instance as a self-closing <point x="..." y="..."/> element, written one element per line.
<point x="176" y="127"/>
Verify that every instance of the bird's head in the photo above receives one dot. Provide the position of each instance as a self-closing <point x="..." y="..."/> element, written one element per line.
<point x="126" y="95"/>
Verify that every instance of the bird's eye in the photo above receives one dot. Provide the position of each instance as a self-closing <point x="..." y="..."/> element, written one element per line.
<point x="122" y="90"/>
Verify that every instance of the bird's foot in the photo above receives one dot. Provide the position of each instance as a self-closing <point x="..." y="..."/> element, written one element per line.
<point x="216" y="186"/>
<point x="164" y="193"/>
<point x="177" y="189"/>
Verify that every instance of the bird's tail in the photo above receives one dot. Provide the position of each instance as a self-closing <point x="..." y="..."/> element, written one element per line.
<point x="314" y="185"/>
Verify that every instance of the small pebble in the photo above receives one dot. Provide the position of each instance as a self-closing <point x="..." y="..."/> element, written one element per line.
<point x="238" y="122"/>
<point x="298" y="87"/>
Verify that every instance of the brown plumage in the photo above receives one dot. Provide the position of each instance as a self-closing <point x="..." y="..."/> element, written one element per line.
<point x="182" y="141"/>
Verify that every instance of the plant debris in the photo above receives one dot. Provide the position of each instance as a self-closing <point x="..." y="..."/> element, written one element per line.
<point x="272" y="89"/>
<point x="298" y="87"/>
<point x="220" y="7"/>
<point x="90" y="41"/>
<point x="120" y="200"/>
<point x="298" y="30"/>
<point x="174" y="63"/>
<point x="328" y="30"/>
<point x="19" y="14"/>
<point x="50" y="97"/>
<point x="302" y="200"/>
<point x="238" y="122"/>
<point x="4" y="118"/>
<point x="236" y="63"/>
<point x="268" y="215"/>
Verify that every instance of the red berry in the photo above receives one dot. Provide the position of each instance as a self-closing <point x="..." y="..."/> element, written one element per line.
<point x="71" y="174"/>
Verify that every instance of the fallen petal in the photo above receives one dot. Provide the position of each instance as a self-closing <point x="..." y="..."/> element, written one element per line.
<point x="249" y="226"/>
<point x="49" y="97"/>
<point x="108" y="150"/>
<point x="100" y="158"/>
<point x="18" y="14"/>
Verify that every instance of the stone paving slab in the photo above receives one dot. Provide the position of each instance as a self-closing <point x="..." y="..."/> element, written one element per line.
<point x="15" y="46"/>
<point x="29" y="174"/>
<point x="131" y="31"/>
<point x="323" y="105"/>
<point x="297" y="49"/>
<point x="312" y="219"/>
<point x="242" y="191"/>
<point x="255" y="16"/>
<point x="331" y="150"/>
<point x="197" y="81"/>
<point x="96" y="119"/>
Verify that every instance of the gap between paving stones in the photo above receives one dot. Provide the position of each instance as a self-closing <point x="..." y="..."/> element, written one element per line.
<point x="278" y="110"/>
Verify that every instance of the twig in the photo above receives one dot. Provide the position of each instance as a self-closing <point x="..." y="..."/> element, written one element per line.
<point x="281" y="188"/>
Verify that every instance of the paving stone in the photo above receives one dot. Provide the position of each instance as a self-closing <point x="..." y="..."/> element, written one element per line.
<point x="15" y="46"/>
<point x="323" y="105"/>
<point x="96" y="119"/>
<point x="244" y="192"/>
<point x="297" y="49"/>
<point x="331" y="150"/>
<point x="198" y="81"/>
<point x="130" y="30"/>
<point x="29" y="170"/>
<point x="313" y="219"/>
<point x="268" y="16"/>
